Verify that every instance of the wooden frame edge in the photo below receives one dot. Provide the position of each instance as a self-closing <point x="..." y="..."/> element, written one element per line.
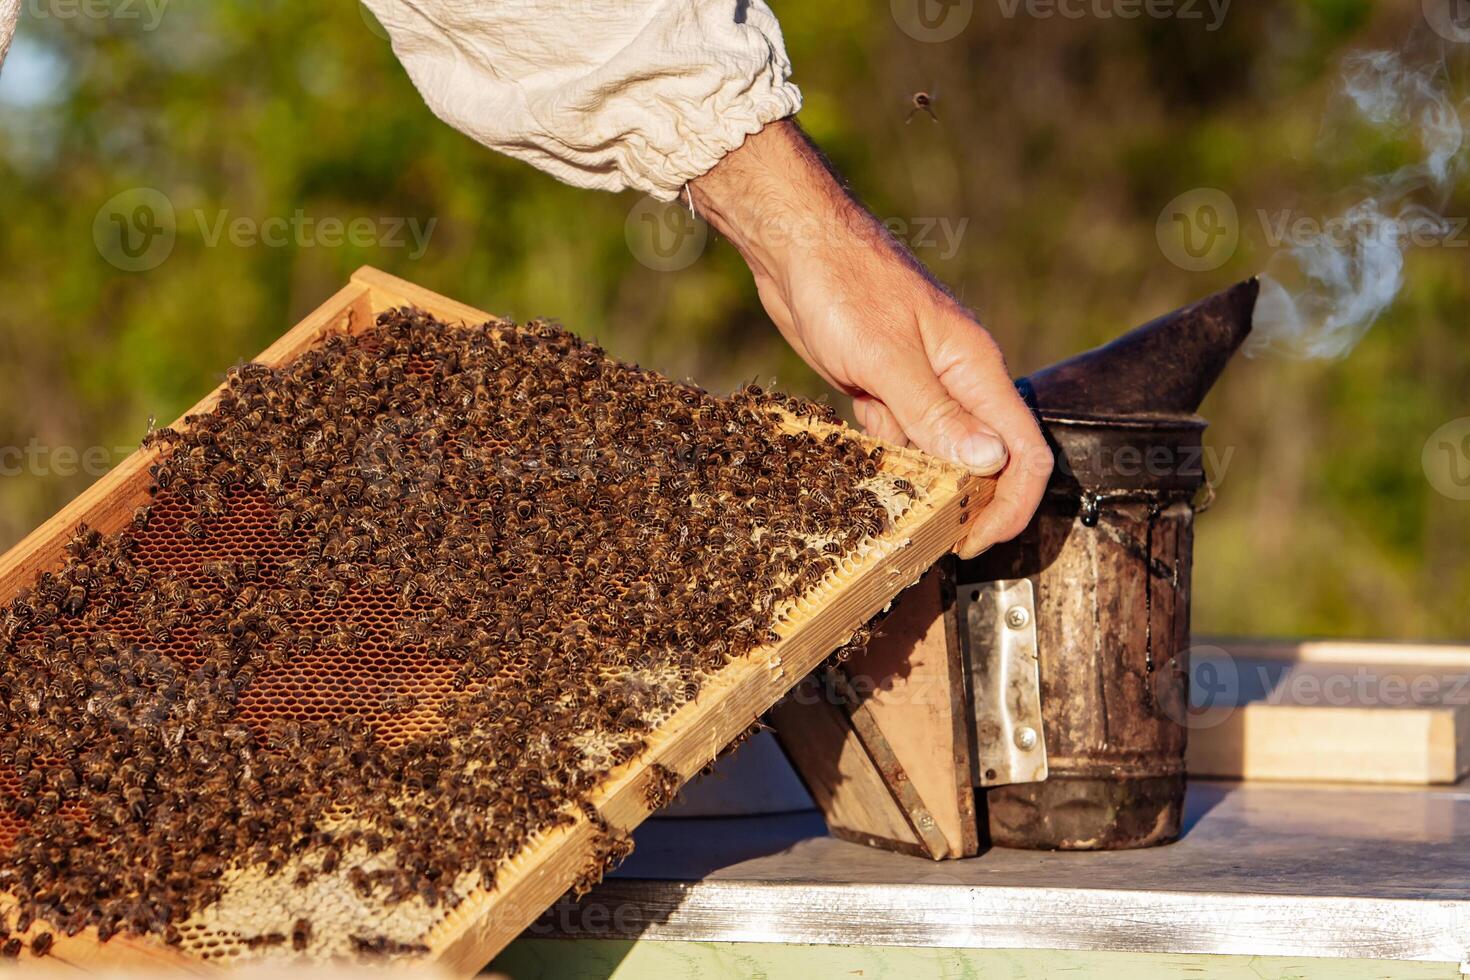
<point x="43" y="547"/>
<point x="961" y="711"/>
<point x="480" y="927"/>
<point x="470" y="935"/>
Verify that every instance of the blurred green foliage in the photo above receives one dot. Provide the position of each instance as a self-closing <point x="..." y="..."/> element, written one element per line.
<point x="1058" y="143"/>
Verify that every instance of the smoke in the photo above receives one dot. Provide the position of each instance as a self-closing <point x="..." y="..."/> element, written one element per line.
<point x="1320" y="295"/>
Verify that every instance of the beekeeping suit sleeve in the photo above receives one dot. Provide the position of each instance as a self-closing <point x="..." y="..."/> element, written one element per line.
<point x="9" y="16"/>
<point x="607" y="94"/>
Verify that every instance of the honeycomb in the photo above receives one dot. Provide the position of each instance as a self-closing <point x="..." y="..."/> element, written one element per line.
<point x="395" y="609"/>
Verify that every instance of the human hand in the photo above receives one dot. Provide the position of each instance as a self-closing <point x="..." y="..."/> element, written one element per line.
<point x="861" y="310"/>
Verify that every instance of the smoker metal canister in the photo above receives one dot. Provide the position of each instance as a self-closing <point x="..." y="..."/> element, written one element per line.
<point x="1108" y="554"/>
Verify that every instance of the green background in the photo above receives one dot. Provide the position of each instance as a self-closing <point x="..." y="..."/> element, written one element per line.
<point x="1058" y="144"/>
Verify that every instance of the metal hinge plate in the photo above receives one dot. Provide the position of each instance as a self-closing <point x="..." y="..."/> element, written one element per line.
<point x="999" y="635"/>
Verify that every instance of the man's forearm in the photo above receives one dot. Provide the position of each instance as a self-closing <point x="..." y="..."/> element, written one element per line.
<point x="777" y="200"/>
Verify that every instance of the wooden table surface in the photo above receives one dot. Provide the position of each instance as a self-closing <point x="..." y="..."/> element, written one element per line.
<point x="1273" y="870"/>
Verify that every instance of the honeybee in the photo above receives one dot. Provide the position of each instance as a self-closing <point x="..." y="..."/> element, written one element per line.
<point x="359" y="880"/>
<point x="76" y="600"/>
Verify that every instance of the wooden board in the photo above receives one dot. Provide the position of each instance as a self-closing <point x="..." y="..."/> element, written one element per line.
<point x="841" y="775"/>
<point x="1332" y="711"/>
<point x="465" y="938"/>
<point x="911" y="683"/>
<point x="899" y="775"/>
<point x="594" y="958"/>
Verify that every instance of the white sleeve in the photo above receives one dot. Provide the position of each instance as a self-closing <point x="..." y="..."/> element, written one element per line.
<point x="608" y="94"/>
<point x="9" y="16"/>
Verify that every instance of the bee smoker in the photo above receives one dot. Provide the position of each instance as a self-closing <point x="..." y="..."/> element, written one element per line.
<point x="1108" y="558"/>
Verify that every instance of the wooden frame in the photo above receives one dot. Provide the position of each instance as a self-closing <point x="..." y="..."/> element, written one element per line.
<point x="1339" y="711"/>
<point x="468" y="936"/>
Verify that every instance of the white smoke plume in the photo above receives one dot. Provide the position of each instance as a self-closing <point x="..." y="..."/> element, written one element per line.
<point x="1320" y="296"/>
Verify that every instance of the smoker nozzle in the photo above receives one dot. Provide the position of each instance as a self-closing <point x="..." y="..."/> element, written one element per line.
<point x="1166" y="366"/>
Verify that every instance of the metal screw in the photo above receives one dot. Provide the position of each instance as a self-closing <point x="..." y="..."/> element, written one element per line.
<point x="1017" y="617"/>
<point x="1025" y="738"/>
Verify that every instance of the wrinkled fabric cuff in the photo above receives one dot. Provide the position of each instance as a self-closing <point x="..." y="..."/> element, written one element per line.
<point x="606" y="94"/>
<point x="663" y="172"/>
